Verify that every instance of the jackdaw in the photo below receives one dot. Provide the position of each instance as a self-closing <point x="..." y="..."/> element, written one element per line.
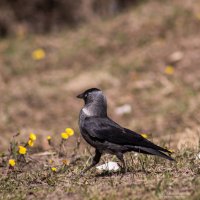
<point x="106" y="136"/>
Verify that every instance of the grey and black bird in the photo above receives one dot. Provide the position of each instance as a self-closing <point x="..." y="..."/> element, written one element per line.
<point x="106" y="136"/>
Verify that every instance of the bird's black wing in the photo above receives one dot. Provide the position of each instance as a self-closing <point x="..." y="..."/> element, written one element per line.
<point x="104" y="129"/>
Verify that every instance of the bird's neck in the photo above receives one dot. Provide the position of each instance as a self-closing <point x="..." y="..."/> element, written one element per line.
<point x="95" y="109"/>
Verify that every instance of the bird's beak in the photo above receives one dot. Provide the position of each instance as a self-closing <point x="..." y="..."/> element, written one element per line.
<point x="80" y="96"/>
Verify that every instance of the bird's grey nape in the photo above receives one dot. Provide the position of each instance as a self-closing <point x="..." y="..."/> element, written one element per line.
<point x="95" y="103"/>
<point x="87" y="112"/>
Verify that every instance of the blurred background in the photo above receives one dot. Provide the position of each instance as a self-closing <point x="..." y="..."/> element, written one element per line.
<point x="144" y="55"/>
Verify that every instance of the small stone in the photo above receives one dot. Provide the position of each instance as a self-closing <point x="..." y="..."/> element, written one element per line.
<point x="109" y="166"/>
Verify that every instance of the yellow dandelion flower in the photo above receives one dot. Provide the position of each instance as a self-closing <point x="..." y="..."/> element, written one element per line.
<point x="38" y="54"/>
<point x="169" y="70"/>
<point x="144" y="135"/>
<point x="49" y="137"/>
<point x="12" y="162"/>
<point x="53" y="169"/>
<point x="69" y="131"/>
<point x="32" y="136"/>
<point x="22" y="150"/>
<point x="30" y="143"/>
<point x="64" y="135"/>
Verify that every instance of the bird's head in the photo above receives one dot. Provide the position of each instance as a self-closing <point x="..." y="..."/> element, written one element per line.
<point x="92" y="95"/>
<point x="95" y="102"/>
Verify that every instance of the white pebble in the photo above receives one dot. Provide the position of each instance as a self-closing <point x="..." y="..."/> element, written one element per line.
<point x="109" y="166"/>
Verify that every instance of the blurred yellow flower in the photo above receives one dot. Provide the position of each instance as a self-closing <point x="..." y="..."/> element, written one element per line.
<point x="38" y="54"/>
<point x="30" y="143"/>
<point x="12" y="162"/>
<point x="51" y="161"/>
<point x="197" y="15"/>
<point x="54" y="169"/>
<point x="144" y="135"/>
<point x="169" y="70"/>
<point x="32" y="136"/>
<point x="64" y="135"/>
<point x="69" y="131"/>
<point x="22" y="150"/>
<point x="49" y="137"/>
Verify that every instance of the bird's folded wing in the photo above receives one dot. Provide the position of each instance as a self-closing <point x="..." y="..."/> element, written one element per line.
<point x="104" y="129"/>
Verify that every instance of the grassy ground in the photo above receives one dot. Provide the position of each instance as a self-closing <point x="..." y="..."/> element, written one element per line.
<point x="125" y="56"/>
<point x="147" y="177"/>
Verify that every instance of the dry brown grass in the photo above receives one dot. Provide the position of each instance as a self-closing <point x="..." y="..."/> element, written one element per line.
<point x="126" y="57"/>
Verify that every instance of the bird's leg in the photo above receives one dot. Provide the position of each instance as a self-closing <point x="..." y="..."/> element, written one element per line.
<point x="121" y="158"/>
<point x="95" y="161"/>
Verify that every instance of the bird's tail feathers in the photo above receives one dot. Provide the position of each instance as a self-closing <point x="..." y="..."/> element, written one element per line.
<point x="155" y="152"/>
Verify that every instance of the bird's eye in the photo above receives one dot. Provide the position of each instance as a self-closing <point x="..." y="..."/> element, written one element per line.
<point x="86" y="95"/>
